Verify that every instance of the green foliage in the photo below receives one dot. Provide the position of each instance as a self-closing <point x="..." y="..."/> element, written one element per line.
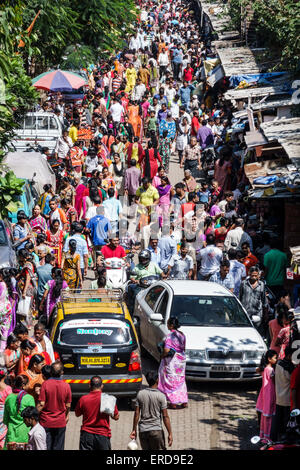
<point x="10" y="188"/>
<point x="77" y="57"/>
<point x="277" y="27"/>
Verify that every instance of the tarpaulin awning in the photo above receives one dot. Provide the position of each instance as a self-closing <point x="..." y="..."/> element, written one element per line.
<point x="259" y="78"/>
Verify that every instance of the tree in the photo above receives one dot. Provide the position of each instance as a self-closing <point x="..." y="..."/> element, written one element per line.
<point x="17" y="94"/>
<point x="11" y="189"/>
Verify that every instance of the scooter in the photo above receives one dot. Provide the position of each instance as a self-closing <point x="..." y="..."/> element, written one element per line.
<point x="291" y="440"/>
<point x="117" y="272"/>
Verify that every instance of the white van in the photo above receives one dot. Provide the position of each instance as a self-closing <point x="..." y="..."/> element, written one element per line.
<point x="38" y="128"/>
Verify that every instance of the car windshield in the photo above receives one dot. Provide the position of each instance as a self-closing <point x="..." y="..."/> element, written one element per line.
<point x="194" y="310"/>
<point x="94" y="333"/>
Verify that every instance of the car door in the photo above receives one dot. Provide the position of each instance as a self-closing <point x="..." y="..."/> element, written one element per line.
<point x="158" y="329"/>
<point x="145" y="304"/>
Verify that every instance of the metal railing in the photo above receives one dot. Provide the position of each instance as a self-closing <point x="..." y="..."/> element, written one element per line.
<point x="86" y="295"/>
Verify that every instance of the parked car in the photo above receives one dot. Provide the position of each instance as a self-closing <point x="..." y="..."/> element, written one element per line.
<point x="221" y="340"/>
<point x="8" y="258"/>
<point x="93" y="335"/>
<point x="38" y="128"/>
<point x="28" y="198"/>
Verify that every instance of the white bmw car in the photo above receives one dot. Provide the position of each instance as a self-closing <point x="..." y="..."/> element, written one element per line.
<point x="221" y="340"/>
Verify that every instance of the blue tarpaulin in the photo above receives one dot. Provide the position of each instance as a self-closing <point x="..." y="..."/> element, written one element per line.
<point x="260" y="78"/>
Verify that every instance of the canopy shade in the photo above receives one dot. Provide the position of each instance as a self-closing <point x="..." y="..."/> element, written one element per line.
<point x="58" y="80"/>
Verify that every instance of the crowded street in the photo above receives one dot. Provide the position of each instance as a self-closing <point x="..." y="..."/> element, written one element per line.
<point x="149" y="232"/>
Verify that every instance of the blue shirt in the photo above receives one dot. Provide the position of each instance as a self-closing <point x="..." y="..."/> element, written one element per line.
<point x="19" y="233"/>
<point x="185" y="94"/>
<point x="99" y="227"/>
<point x="155" y="257"/>
<point x="227" y="282"/>
<point x="44" y="275"/>
<point x="203" y="196"/>
<point x="81" y="247"/>
<point x="177" y="56"/>
<point x="168" y="248"/>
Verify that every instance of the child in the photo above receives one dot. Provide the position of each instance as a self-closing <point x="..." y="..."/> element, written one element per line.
<point x="151" y="124"/>
<point x="266" y="402"/>
<point x="215" y="188"/>
<point x="204" y="194"/>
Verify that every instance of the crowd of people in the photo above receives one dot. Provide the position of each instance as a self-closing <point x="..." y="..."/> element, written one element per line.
<point x="147" y="109"/>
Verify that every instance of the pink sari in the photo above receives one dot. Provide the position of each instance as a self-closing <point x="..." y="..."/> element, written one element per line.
<point x="78" y="198"/>
<point x="266" y="402"/>
<point x="172" y="370"/>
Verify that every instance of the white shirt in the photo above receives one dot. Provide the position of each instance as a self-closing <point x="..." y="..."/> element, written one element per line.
<point x="174" y="110"/>
<point x="63" y="146"/>
<point x="116" y="111"/>
<point x="170" y="93"/>
<point x="91" y="212"/>
<point x="238" y="236"/>
<point x="138" y="92"/>
<point x="210" y="257"/>
<point x="37" y="438"/>
<point x="163" y="58"/>
<point x="49" y="347"/>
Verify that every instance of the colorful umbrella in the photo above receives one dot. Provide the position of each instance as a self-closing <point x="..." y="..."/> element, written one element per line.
<point x="58" y="80"/>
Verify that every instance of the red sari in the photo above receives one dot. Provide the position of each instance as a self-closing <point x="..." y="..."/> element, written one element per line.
<point x="150" y="166"/>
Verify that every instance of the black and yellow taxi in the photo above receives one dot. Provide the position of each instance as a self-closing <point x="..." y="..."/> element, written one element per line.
<point x="93" y="334"/>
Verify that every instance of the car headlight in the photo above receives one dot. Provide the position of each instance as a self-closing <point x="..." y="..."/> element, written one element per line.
<point x="195" y="354"/>
<point x="253" y="354"/>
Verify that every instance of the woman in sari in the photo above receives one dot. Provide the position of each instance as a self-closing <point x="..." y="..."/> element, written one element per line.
<point x="5" y="390"/>
<point x="131" y="76"/>
<point x="153" y="77"/>
<point x="34" y="372"/>
<point x="15" y="403"/>
<point x="172" y="367"/>
<point x="148" y="162"/>
<point x="118" y="147"/>
<point x="37" y="222"/>
<point x="55" y="239"/>
<point x="165" y="193"/>
<point x="135" y="151"/>
<point x="70" y="266"/>
<point x="135" y="119"/>
<point x="12" y="354"/>
<point x="52" y="294"/>
<point x="45" y="199"/>
<point x="28" y="349"/>
<point x="165" y="149"/>
<point x="70" y="212"/>
<point x="222" y="172"/>
<point x="5" y="313"/>
<point x="26" y="278"/>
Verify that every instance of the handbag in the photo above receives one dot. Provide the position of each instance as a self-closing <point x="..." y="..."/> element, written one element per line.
<point x="24" y="306"/>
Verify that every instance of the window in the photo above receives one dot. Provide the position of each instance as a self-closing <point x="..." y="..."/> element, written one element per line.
<point x="91" y="334"/>
<point x="153" y="295"/>
<point x="42" y="123"/>
<point x="204" y="310"/>
<point x="53" y="123"/>
<point x="163" y="304"/>
<point x="29" y="122"/>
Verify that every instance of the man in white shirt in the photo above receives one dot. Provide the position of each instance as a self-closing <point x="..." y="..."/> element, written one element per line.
<point x="210" y="258"/>
<point x="92" y="211"/>
<point x="116" y="110"/>
<point x="236" y="237"/>
<point x="138" y="91"/>
<point x="113" y="209"/>
<point x="42" y="342"/>
<point x="37" y="434"/>
<point x="63" y="146"/>
<point x="163" y="62"/>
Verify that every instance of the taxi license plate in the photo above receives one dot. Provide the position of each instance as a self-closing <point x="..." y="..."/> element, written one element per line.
<point x="94" y="361"/>
<point x="225" y="368"/>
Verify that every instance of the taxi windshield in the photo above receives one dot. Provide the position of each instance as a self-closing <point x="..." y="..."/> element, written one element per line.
<point x="94" y="334"/>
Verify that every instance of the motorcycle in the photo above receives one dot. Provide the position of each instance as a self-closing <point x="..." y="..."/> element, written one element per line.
<point x="290" y="441"/>
<point x="132" y="289"/>
<point x="117" y="272"/>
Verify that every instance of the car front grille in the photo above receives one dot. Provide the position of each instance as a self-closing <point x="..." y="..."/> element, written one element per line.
<point x="219" y="354"/>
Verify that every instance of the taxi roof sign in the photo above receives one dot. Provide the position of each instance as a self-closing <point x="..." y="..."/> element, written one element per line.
<point x="91" y="295"/>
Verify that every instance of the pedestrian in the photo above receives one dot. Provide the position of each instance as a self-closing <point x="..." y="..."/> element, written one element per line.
<point x="209" y="259"/>
<point x="275" y="264"/>
<point x="172" y="366"/>
<point x="150" y="411"/>
<point x="54" y="407"/>
<point x="37" y="434"/>
<point x="224" y="277"/>
<point x="253" y="298"/>
<point x="266" y="402"/>
<point x="95" y="432"/>
<point x="5" y="390"/>
<point x="15" y="403"/>
<point x="283" y="371"/>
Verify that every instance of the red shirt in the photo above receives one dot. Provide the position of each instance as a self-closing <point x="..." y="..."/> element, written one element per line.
<point x="295" y="384"/>
<point x="55" y="393"/>
<point x="108" y="252"/>
<point x="92" y="420"/>
<point x="188" y="74"/>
